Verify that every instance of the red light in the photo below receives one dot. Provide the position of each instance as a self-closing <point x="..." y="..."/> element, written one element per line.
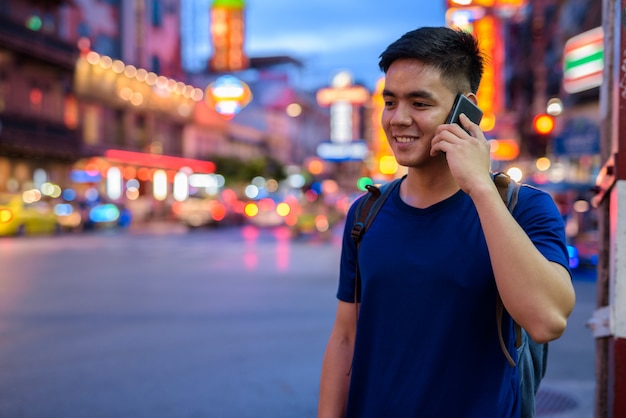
<point x="143" y="174"/>
<point x="310" y="195"/>
<point x="177" y="208"/>
<point x="543" y="124"/>
<point x="36" y="96"/>
<point x="218" y="211"/>
<point x="70" y="114"/>
<point x="229" y="196"/>
<point x="266" y="204"/>
<point x="159" y="161"/>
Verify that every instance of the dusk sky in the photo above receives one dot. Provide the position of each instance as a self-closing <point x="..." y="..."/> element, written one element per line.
<point x="333" y="35"/>
<point x="327" y="36"/>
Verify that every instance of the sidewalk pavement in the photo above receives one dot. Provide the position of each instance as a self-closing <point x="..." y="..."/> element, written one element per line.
<point x="568" y="389"/>
<point x="565" y="399"/>
<point x="158" y="227"/>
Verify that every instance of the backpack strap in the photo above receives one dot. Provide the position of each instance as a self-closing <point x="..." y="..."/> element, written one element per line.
<point x="369" y="206"/>
<point x="364" y="215"/>
<point x="509" y="191"/>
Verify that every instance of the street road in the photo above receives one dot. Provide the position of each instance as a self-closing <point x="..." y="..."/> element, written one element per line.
<point x="227" y="323"/>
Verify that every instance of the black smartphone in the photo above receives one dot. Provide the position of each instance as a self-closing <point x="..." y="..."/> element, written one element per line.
<point x="464" y="105"/>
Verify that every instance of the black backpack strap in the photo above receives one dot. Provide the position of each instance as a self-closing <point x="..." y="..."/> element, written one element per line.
<point x="362" y="211"/>
<point x="364" y="215"/>
<point x="509" y="191"/>
<point x="369" y="207"/>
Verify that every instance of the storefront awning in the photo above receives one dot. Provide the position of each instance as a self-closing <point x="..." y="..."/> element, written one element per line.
<point x="159" y="161"/>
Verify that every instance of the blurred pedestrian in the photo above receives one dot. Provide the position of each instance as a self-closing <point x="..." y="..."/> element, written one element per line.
<point x="423" y="340"/>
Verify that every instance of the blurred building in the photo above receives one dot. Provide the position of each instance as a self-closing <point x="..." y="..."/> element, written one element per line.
<point x="282" y="119"/>
<point x="565" y="159"/>
<point x="543" y="82"/>
<point x="88" y="86"/>
<point x="525" y="41"/>
<point x="39" y="115"/>
<point x="535" y="49"/>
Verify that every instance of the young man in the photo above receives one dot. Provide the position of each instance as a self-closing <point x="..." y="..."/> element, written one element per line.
<point x="426" y="343"/>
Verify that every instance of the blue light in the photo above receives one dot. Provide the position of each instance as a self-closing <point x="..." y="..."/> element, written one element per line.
<point x="82" y="176"/>
<point x="572" y="252"/>
<point x="69" y="195"/>
<point x="63" y="209"/>
<point x="107" y="212"/>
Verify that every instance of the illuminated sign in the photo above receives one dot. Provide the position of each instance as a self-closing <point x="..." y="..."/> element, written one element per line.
<point x="353" y="94"/>
<point x="380" y="147"/>
<point x="349" y="151"/>
<point x="486" y="3"/>
<point x="227" y="35"/>
<point x="84" y="176"/>
<point x="583" y="61"/>
<point x="580" y="136"/>
<point x="112" y="81"/>
<point x="235" y="4"/>
<point x="504" y="149"/>
<point x="512" y="3"/>
<point x="158" y="161"/>
<point x="342" y="96"/>
<point x="463" y="18"/>
<point x="228" y="95"/>
<point x="489" y="94"/>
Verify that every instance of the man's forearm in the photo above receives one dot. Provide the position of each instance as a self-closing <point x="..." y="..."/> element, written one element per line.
<point x="335" y="379"/>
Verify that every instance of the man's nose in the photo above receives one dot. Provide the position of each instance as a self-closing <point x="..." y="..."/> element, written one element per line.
<point x="401" y="116"/>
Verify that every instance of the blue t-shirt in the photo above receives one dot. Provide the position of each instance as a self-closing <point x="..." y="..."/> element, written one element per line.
<point x="427" y="343"/>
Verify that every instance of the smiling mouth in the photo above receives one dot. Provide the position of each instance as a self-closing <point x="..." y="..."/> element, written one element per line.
<point x="405" y="139"/>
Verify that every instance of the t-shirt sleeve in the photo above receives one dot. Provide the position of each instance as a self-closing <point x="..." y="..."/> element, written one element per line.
<point x="540" y="218"/>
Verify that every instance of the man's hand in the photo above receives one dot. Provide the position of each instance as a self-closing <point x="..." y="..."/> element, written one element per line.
<point x="468" y="154"/>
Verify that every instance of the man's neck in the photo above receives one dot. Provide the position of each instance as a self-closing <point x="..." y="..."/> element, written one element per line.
<point x="424" y="188"/>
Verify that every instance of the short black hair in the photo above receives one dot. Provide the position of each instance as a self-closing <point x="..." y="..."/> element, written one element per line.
<point x="454" y="52"/>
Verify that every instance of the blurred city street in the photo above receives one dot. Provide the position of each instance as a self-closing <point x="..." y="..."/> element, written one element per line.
<point x="227" y="322"/>
<point x="174" y="175"/>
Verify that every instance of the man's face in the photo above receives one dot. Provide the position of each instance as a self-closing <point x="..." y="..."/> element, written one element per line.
<point x="416" y="103"/>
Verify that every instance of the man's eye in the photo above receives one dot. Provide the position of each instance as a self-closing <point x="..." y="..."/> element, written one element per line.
<point x="419" y="104"/>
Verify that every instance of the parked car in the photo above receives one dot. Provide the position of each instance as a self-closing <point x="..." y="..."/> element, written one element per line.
<point x="83" y="216"/>
<point x="69" y="216"/>
<point x="206" y="211"/>
<point x="107" y="215"/>
<point x="268" y="212"/>
<point x="315" y="219"/>
<point x="20" y="217"/>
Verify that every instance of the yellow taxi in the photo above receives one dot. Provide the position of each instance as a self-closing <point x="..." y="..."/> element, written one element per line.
<point x="22" y="214"/>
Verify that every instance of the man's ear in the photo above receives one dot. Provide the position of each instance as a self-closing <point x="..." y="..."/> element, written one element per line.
<point x="472" y="98"/>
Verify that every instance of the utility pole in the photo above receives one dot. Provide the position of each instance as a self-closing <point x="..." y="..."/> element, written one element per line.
<point x="608" y="323"/>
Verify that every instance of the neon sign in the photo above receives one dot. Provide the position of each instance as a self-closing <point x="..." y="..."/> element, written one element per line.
<point x="228" y="95"/>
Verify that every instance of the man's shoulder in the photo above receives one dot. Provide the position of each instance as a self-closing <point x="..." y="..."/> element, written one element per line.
<point x="534" y="201"/>
<point x="530" y="192"/>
